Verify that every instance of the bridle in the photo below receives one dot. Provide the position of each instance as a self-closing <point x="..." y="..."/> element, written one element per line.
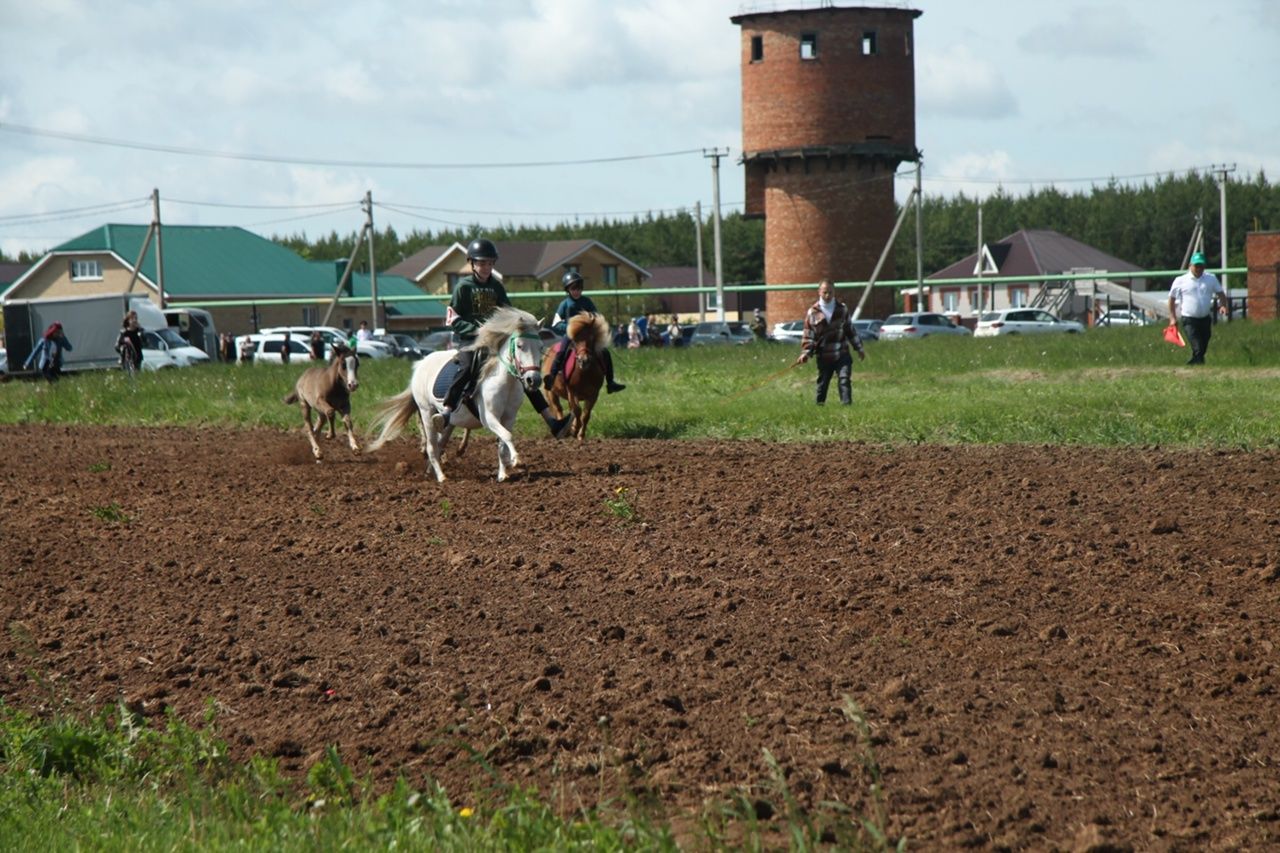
<point x="510" y="357"/>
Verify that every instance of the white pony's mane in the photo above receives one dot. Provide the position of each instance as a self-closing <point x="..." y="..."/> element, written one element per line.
<point x="502" y="324"/>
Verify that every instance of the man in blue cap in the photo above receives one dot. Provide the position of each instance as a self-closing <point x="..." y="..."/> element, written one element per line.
<point x="1191" y="301"/>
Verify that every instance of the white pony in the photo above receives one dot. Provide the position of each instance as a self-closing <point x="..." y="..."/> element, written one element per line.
<point x="511" y="337"/>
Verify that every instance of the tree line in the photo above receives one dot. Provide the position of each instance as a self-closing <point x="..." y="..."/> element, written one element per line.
<point x="1148" y="224"/>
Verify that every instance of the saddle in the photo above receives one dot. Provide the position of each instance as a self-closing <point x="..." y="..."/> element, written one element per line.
<point x="570" y="360"/>
<point x="447" y="374"/>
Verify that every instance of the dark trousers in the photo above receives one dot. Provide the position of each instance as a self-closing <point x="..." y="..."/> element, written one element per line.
<point x="842" y="368"/>
<point x="1197" y="331"/>
<point x="464" y="380"/>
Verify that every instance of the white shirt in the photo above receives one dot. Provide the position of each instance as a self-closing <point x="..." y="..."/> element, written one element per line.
<point x="364" y="335"/>
<point x="828" y="308"/>
<point x="1194" y="296"/>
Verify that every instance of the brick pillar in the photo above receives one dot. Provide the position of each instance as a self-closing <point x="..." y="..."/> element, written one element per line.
<point x="1262" y="257"/>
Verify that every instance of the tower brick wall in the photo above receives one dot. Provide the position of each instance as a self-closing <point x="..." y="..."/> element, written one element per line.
<point x="828" y="113"/>
<point x="1262" y="257"/>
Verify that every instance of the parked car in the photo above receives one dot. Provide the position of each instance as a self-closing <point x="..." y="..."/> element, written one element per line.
<point x="403" y="346"/>
<point x="918" y="325"/>
<point x="1124" y="317"/>
<point x="442" y="339"/>
<point x="718" y="332"/>
<point x="789" y="332"/>
<point x="868" y="330"/>
<point x="1023" y="321"/>
<point x="267" y="348"/>
<point x="332" y="335"/>
<point x="168" y="340"/>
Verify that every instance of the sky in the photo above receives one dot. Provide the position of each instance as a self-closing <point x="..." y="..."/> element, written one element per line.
<point x="279" y="117"/>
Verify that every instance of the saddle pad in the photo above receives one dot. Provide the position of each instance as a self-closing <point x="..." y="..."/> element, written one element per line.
<point x="569" y="362"/>
<point x="444" y="379"/>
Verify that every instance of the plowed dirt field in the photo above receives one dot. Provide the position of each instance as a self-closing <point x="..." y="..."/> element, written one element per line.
<point x="1051" y="648"/>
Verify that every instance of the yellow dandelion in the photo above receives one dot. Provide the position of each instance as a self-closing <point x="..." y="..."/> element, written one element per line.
<point x="465" y="811"/>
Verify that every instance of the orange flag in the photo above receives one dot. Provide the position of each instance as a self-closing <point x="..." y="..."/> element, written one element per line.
<point x="1174" y="336"/>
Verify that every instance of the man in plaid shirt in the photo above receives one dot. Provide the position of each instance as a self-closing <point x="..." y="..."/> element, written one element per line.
<point x="828" y="332"/>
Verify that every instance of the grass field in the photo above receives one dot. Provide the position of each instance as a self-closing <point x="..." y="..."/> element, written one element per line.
<point x="1109" y="387"/>
<point x="106" y="781"/>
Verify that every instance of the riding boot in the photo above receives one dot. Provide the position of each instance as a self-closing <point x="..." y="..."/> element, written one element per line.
<point x="611" y="386"/>
<point x="557" y="365"/>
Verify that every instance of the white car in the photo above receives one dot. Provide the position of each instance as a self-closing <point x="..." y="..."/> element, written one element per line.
<point x="332" y="335"/>
<point x="789" y="332"/>
<point x="268" y="348"/>
<point x="1124" y="317"/>
<point x="1023" y="321"/>
<point x="169" y="341"/>
<point x="920" y="324"/>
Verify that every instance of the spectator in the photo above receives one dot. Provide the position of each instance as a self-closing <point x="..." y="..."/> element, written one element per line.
<point x="284" y="348"/>
<point x="1191" y="300"/>
<point x="828" y="331"/>
<point x="758" y="326"/>
<point x="674" y="332"/>
<point x="363" y="333"/>
<point x="129" y="342"/>
<point x="226" y="347"/>
<point x="47" y="353"/>
<point x="317" y="346"/>
<point x="634" y="337"/>
<point x="246" y="349"/>
<point x="642" y="323"/>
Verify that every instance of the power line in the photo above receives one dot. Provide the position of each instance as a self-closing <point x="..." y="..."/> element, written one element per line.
<point x="72" y="212"/>
<point x="330" y="205"/>
<point x="303" y="161"/>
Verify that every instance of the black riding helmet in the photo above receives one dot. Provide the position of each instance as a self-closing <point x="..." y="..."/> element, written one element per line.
<point x="481" y="249"/>
<point x="570" y="279"/>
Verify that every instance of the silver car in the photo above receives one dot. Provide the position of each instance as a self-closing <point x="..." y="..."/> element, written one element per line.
<point x="920" y="324"/>
<point x="1023" y="321"/>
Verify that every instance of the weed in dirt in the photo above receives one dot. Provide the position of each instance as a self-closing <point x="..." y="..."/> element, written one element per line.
<point x="112" y="513"/>
<point x="100" y="467"/>
<point x="620" y="505"/>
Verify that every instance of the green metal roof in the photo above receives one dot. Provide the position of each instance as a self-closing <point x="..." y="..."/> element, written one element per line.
<point x="389" y="287"/>
<point x="211" y="262"/>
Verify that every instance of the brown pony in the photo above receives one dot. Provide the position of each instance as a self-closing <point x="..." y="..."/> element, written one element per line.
<point x="328" y="390"/>
<point x="589" y="333"/>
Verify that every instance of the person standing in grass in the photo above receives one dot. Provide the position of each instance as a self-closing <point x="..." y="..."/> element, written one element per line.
<point x="828" y="333"/>
<point x="47" y="353"/>
<point x="1191" y="301"/>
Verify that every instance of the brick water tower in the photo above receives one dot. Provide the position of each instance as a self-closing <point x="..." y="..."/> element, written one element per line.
<point x="828" y="113"/>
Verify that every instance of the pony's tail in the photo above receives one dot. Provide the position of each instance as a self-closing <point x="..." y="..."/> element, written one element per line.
<point x="391" y="417"/>
<point x="291" y="397"/>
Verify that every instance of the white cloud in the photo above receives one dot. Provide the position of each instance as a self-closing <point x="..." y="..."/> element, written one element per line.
<point x="986" y="169"/>
<point x="1092" y="31"/>
<point x="956" y="83"/>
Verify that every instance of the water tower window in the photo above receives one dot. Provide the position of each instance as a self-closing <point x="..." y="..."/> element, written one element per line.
<point x="869" y="43"/>
<point x="757" y="48"/>
<point x="809" y="46"/>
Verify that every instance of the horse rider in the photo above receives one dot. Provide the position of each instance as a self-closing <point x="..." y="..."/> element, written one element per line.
<point x="575" y="303"/>
<point x="475" y="298"/>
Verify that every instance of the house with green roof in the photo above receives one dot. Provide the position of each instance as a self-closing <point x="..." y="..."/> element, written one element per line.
<point x="245" y="281"/>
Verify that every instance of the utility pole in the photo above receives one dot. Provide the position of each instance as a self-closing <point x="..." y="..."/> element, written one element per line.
<point x="1223" y="171"/>
<point x="697" y="230"/>
<point x="155" y="223"/>
<point x="715" y="156"/>
<point x="367" y="204"/>
<point x="919" y="226"/>
<point x="982" y="304"/>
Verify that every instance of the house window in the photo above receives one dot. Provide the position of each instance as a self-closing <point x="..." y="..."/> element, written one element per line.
<point x="972" y="293"/>
<point x="950" y="300"/>
<point x="869" y="43"/>
<point x="82" y="270"/>
<point x="610" y="275"/>
<point x="1017" y="297"/>
<point x="311" y="316"/>
<point x="452" y="279"/>
<point x="757" y="48"/>
<point x="809" y="46"/>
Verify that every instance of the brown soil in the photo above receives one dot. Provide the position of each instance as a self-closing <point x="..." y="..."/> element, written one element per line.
<point x="1052" y="647"/>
